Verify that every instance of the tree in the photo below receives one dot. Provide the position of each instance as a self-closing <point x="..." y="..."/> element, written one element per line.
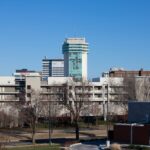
<point x="122" y="91"/>
<point x="143" y="88"/>
<point x="51" y="106"/>
<point x="8" y="114"/>
<point x="31" y="111"/>
<point x="129" y="88"/>
<point x="91" y="111"/>
<point x="75" y="96"/>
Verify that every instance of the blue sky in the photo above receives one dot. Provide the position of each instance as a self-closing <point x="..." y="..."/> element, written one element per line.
<point x="118" y="32"/>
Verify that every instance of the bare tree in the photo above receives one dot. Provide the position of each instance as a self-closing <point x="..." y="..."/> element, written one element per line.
<point x="122" y="92"/>
<point x="76" y="95"/>
<point x="129" y="88"/>
<point x="51" y="108"/>
<point x="8" y="114"/>
<point x="143" y="88"/>
<point x="92" y="109"/>
<point x="31" y="111"/>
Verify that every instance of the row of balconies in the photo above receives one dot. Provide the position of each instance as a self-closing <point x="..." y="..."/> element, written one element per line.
<point x="6" y="98"/>
<point x="95" y="95"/>
<point x="8" y="92"/>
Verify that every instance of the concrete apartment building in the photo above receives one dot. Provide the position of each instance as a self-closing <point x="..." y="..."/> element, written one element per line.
<point x="8" y="89"/>
<point x="75" y="57"/>
<point x="26" y="81"/>
<point x="52" y="68"/>
<point x="99" y="93"/>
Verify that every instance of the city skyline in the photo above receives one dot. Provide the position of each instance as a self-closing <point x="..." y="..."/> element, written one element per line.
<point x="118" y="33"/>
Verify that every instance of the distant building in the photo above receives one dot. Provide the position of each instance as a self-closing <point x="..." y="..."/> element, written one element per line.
<point x="75" y="57"/>
<point x="52" y="68"/>
<point x="119" y="72"/>
<point x="19" y="74"/>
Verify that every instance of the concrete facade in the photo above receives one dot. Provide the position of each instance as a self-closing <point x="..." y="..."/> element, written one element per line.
<point x="8" y="89"/>
<point x="99" y="93"/>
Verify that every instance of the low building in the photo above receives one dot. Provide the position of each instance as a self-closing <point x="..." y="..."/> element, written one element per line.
<point x="101" y="95"/>
<point x="8" y="89"/>
<point x="120" y="72"/>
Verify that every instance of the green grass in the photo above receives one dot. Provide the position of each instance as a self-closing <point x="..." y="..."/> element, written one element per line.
<point x="46" y="147"/>
<point x="137" y="147"/>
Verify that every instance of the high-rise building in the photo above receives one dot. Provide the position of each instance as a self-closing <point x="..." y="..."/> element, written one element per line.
<point x="75" y="57"/>
<point x="52" y="68"/>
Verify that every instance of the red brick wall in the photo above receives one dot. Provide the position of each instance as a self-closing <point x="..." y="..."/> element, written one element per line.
<point x="121" y="73"/>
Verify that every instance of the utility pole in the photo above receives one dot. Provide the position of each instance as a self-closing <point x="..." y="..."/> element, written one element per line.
<point x="107" y="110"/>
<point x="108" y="142"/>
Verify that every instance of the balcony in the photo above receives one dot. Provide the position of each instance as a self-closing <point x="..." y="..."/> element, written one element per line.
<point x="9" y="99"/>
<point x="9" y="92"/>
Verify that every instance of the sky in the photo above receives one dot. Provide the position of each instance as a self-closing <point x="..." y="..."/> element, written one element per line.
<point x="118" y="33"/>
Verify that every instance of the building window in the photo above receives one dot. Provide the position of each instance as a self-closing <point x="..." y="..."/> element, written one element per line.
<point x="28" y="87"/>
<point x="28" y="95"/>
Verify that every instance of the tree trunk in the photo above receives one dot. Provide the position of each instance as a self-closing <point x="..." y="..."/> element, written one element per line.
<point x="33" y="138"/>
<point x="33" y="134"/>
<point x="77" y="130"/>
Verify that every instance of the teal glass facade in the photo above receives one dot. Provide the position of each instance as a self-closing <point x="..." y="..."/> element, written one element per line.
<point x="75" y="64"/>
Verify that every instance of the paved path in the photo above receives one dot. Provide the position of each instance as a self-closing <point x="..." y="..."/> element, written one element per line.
<point x="84" y="147"/>
<point x="91" y="145"/>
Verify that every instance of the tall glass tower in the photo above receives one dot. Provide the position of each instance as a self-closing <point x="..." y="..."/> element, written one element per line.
<point x="75" y="57"/>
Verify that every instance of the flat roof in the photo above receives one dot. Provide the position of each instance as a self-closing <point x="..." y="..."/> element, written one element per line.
<point x="52" y="59"/>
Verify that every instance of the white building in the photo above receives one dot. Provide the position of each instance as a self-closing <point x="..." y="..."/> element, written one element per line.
<point x="99" y="93"/>
<point x="8" y="89"/>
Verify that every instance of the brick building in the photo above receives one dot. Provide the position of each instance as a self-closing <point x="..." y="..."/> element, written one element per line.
<point x="127" y="73"/>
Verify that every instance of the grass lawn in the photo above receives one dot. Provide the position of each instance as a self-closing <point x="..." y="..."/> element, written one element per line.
<point x="46" y="147"/>
<point x="137" y="147"/>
